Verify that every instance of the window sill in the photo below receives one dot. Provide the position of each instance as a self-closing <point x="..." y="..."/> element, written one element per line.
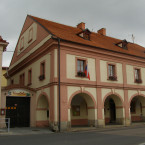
<point x="30" y="40"/>
<point x="21" y="48"/>
<point x="29" y="84"/>
<point x="41" y="77"/>
<point x="80" y="76"/>
<point x="139" y="81"/>
<point x="112" y="78"/>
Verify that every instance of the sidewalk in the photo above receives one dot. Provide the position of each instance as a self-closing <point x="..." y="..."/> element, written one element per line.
<point x="35" y="131"/>
<point x="25" y="131"/>
<point x="107" y="128"/>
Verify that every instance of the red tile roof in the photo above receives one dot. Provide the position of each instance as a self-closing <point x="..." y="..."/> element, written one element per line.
<point x="96" y="40"/>
<point x="1" y="40"/>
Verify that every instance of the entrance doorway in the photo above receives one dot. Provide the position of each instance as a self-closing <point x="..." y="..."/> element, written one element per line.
<point x="18" y="110"/>
<point x="112" y="111"/>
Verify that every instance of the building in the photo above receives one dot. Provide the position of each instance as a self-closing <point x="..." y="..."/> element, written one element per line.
<point x="4" y="80"/>
<point x="48" y="86"/>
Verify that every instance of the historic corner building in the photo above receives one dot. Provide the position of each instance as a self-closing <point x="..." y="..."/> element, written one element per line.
<point x="48" y="86"/>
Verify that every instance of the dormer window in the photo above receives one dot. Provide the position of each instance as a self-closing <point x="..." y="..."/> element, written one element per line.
<point x="122" y="44"/>
<point x="85" y="34"/>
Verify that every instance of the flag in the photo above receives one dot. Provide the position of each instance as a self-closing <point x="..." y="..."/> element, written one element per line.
<point x="87" y="72"/>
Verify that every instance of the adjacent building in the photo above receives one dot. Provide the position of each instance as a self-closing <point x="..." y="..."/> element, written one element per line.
<point x="69" y="76"/>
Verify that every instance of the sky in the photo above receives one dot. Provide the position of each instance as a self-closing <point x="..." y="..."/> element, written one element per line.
<point x="121" y="18"/>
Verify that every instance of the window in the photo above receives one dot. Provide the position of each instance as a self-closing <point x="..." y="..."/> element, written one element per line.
<point x="12" y="82"/>
<point x="122" y="44"/>
<point x="30" y="37"/>
<point x="137" y="74"/>
<point x="85" y="34"/>
<point x="81" y="63"/>
<point x="42" y="71"/>
<point x="22" y="43"/>
<point x="29" y="76"/>
<point x="22" y="79"/>
<point x="112" y="72"/>
<point x="76" y="110"/>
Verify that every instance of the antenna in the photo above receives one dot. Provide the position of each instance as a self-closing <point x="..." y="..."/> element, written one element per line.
<point x="133" y="38"/>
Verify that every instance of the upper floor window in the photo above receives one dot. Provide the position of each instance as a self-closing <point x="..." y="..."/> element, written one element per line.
<point x="42" y="71"/>
<point x="81" y="63"/>
<point x="22" y="43"/>
<point x="112" y="72"/>
<point x="30" y="37"/>
<point x="22" y="79"/>
<point x="137" y="74"/>
<point x="29" y="76"/>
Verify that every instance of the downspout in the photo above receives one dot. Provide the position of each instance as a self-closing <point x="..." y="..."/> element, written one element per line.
<point x="59" y="125"/>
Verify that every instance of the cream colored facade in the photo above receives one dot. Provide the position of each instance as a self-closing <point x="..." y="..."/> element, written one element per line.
<point x="75" y="100"/>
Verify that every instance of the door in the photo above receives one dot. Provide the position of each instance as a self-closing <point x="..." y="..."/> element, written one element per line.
<point x="18" y="110"/>
<point x="112" y="110"/>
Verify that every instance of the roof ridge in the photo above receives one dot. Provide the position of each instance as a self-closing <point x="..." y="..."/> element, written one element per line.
<point x="53" y="22"/>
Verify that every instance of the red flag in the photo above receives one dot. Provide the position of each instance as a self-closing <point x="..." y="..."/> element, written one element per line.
<point x="87" y="72"/>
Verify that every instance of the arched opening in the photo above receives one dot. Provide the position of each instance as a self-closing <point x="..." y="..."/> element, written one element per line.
<point x="113" y="110"/>
<point x="137" y="109"/>
<point x="42" y="115"/>
<point x="82" y="110"/>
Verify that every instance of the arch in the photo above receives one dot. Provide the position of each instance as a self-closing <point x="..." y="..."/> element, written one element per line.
<point x="137" y="94"/>
<point x="43" y="94"/>
<point x="42" y="110"/>
<point x="78" y="92"/>
<point x="116" y="94"/>
<point x="113" y="105"/>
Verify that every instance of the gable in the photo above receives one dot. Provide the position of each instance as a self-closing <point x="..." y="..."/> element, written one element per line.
<point x="31" y="35"/>
<point x="27" y="38"/>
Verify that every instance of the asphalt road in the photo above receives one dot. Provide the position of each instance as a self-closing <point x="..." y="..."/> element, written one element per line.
<point x="131" y="136"/>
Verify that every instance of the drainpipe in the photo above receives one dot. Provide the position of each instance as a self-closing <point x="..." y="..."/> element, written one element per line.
<point x="59" y="125"/>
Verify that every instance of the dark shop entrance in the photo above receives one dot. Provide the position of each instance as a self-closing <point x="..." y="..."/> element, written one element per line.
<point x="18" y="110"/>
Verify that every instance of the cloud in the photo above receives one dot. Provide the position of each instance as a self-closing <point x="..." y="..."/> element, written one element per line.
<point x="122" y="18"/>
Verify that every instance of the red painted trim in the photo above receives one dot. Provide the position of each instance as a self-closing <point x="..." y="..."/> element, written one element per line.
<point x="137" y="94"/>
<point x="79" y="122"/>
<point x="116" y="94"/>
<point x="42" y="123"/>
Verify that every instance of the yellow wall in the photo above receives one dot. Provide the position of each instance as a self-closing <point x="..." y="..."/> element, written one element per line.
<point x="4" y="80"/>
<point x="35" y="73"/>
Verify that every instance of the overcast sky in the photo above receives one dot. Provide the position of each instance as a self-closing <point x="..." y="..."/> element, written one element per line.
<point x="121" y="18"/>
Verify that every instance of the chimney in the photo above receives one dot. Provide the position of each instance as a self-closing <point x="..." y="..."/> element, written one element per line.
<point x="81" y="25"/>
<point x="102" y="31"/>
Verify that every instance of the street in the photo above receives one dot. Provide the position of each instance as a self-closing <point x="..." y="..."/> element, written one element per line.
<point x="125" y="136"/>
